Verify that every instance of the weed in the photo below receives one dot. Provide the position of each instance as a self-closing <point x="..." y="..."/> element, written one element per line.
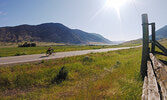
<point x="43" y="61"/>
<point x="24" y="53"/>
<point x="17" y="54"/>
<point x="87" y="60"/>
<point x="117" y="64"/>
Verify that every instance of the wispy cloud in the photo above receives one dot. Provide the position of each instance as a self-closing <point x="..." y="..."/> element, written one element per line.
<point x="3" y="13"/>
<point x="0" y="12"/>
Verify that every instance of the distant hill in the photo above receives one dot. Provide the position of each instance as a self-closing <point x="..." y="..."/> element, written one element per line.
<point x="49" y="32"/>
<point x="161" y="35"/>
<point x="133" y="42"/>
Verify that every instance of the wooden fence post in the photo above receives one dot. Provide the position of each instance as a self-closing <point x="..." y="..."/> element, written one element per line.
<point x="145" y="52"/>
<point x="153" y="38"/>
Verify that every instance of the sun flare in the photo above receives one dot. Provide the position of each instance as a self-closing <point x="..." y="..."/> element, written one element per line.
<point x="115" y="3"/>
<point x="111" y="4"/>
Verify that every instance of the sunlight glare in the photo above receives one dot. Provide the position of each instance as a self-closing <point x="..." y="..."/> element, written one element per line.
<point x="115" y="3"/>
<point x="112" y="4"/>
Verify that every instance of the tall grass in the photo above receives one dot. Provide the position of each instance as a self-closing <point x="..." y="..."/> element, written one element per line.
<point x="111" y="75"/>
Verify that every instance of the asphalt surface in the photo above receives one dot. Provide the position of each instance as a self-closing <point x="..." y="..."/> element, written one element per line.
<point x="39" y="57"/>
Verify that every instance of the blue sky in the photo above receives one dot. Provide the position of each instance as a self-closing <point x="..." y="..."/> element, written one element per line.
<point x="86" y="15"/>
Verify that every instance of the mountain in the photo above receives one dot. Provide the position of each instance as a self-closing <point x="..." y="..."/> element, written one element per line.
<point x="161" y="33"/>
<point x="49" y="32"/>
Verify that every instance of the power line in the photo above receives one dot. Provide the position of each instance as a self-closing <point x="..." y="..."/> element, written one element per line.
<point x="134" y="4"/>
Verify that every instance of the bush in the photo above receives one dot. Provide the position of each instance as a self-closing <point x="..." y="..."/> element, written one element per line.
<point x="19" y="54"/>
<point x="27" y="45"/>
<point x="43" y="61"/>
<point x="87" y="60"/>
<point x="33" y="44"/>
<point x="61" y="76"/>
<point x="117" y="64"/>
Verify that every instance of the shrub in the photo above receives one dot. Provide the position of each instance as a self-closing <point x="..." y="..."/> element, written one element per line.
<point x="33" y="44"/>
<point x="19" y="54"/>
<point x="27" y="45"/>
<point x="23" y="53"/>
<point x="43" y="61"/>
<point x="117" y="64"/>
<point x="87" y="60"/>
<point x="61" y="76"/>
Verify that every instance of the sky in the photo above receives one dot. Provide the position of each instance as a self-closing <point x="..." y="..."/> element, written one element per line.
<point x="93" y="16"/>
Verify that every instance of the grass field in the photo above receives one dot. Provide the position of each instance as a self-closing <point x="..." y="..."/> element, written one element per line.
<point x="16" y="51"/>
<point x="10" y="44"/>
<point x="133" y="42"/>
<point x="113" y="75"/>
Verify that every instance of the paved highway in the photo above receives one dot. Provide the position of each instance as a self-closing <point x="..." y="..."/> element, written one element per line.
<point x="39" y="57"/>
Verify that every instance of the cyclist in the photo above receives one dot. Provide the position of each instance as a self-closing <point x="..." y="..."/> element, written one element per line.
<point x="50" y="50"/>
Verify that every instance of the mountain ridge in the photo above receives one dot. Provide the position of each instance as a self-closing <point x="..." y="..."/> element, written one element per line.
<point x="160" y="34"/>
<point x="49" y="32"/>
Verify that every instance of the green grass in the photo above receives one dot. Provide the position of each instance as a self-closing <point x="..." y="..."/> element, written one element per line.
<point x="10" y="44"/>
<point x="164" y="43"/>
<point x="112" y="75"/>
<point x="16" y="51"/>
<point x="133" y="42"/>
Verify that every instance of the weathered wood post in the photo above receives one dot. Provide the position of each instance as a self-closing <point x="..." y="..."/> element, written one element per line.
<point x="145" y="53"/>
<point x="153" y="38"/>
